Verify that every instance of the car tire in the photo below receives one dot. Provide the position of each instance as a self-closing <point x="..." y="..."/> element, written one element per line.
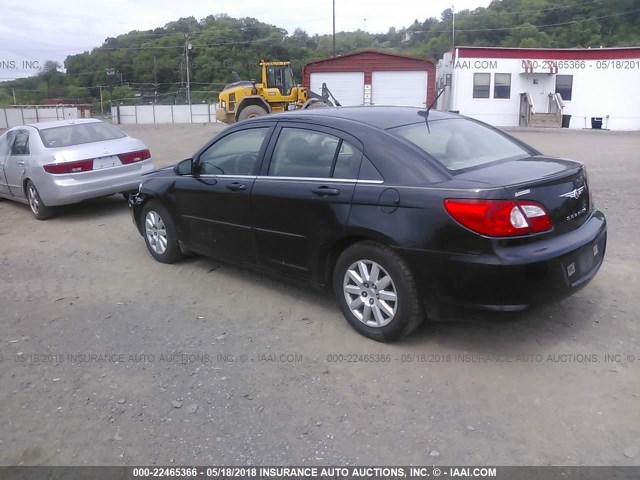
<point x="376" y="315"/>
<point x="37" y="206"/>
<point x="251" y="111"/>
<point x="160" y="233"/>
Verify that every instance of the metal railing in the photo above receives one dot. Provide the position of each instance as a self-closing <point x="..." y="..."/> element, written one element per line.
<point x="556" y="105"/>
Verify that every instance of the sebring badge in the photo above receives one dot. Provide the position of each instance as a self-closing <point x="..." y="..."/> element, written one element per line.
<point x="575" y="193"/>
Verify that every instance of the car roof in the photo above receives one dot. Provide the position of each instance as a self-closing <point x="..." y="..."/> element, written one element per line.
<point x="62" y="123"/>
<point x="375" y="116"/>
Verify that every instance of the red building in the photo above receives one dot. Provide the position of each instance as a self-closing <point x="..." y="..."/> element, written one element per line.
<point x="374" y="78"/>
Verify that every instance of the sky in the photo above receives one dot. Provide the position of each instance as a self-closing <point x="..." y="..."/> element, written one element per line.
<point x="34" y="31"/>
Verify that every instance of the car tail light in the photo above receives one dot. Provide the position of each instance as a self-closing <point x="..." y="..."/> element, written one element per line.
<point x="69" y="167"/>
<point x="499" y="218"/>
<point x="133" y="157"/>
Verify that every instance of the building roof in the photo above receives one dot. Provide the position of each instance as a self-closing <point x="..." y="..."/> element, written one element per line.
<point x="361" y="52"/>
<point x="549" y="53"/>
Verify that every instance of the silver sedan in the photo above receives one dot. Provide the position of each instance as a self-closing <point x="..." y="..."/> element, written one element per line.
<point x="57" y="163"/>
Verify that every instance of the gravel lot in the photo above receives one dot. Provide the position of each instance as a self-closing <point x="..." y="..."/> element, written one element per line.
<point x="205" y="363"/>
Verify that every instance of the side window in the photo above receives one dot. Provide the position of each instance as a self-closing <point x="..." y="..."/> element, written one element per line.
<point x="280" y="78"/>
<point x="306" y="153"/>
<point x="502" y="85"/>
<point x="347" y="163"/>
<point x="21" y="143"/>
<point x="235" y="154"/>
<point x="564" y="86"/>
<point x="481" y="83"/>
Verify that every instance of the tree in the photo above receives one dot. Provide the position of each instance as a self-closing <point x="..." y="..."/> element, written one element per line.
<point x="122" y="92"/>
<point x="49" y="72"/>
<point x="154" y="59"/>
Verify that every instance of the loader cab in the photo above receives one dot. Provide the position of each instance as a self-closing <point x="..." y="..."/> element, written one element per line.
<point x="278" y="76"/>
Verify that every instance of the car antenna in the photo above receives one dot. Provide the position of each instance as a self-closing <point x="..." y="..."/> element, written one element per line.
<point x="425" y="113"/>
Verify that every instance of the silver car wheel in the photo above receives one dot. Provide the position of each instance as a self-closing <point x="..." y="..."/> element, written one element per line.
<point x="34" y="200"/>
<point x="156" y="232"/>
<point x="370" y="293"/>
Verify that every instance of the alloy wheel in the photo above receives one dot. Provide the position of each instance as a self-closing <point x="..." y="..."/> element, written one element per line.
<point x="34" y="199"/>
<point x="156" y="232"/>
<point x="370" y="293"/>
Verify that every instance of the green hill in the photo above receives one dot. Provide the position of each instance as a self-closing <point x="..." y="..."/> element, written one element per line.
<point x="147" y="66"/>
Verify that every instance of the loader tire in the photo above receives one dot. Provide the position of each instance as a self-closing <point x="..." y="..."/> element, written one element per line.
<point x="251" y="111"/>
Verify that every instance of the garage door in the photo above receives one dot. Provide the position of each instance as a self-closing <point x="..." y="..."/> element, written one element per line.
<point x="399" y="88"/>
<point x="347" y="87"/>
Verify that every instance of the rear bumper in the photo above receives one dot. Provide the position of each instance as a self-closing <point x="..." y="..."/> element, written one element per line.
<point x="64" y="189"/>
<point x="515" y="277"/>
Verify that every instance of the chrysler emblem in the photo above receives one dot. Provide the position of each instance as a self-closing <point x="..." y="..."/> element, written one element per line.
<point x="575" y="193"/>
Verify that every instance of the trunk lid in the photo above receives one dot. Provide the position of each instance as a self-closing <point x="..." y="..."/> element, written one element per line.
<point x="559" y="185"/>
<point x="104" y="155"/>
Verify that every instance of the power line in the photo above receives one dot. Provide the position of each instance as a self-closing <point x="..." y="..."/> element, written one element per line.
<point x="551" y="24"/>
<point x="518" y="12"/>
<point x="446" y="30"/>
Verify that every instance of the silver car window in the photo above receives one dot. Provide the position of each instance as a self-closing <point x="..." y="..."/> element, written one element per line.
<point x="78" y="134"/>
<point x="20" y="145"/>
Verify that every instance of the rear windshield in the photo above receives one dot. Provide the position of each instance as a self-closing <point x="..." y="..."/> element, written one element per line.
<point x="459" y="144"/>
<point x="77" y="134"/>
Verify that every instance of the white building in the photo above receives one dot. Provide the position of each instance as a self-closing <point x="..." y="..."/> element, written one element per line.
<point x="537" y="86"/>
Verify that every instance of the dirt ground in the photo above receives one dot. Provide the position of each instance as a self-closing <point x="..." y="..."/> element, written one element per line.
<point x="111" y="358"/>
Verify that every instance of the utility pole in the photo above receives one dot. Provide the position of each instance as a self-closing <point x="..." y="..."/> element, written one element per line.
<point x="101" y="104"/>
<point x="334" y="28"/>
<point x="187" y="46"/>
<point x="453" y="30"/>
<point x="14" y="96"/>
<point x="155" y="80"/>
<point x="110" y="73"/>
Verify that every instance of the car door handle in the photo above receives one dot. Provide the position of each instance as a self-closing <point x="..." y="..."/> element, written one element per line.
<point x="324" y="190"/>
<point x="235" y="186"/>
<point x="21" y="164"/>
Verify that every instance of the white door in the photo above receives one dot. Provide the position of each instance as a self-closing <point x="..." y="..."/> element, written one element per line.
<point x="399" y="88"/>
<point x="347" y="87"/>
<point x="539" y="93"/>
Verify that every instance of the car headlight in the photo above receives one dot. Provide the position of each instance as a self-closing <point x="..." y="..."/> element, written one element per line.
<point x="223" y="104"/>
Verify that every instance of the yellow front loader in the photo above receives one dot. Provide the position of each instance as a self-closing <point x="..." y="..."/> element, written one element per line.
<point x="276" y="92"/>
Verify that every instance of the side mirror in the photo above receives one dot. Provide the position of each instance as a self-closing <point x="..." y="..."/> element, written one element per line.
<point x="185" y="167"/>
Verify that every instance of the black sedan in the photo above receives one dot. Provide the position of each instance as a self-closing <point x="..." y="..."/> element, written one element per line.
<point x="397" y="209"/>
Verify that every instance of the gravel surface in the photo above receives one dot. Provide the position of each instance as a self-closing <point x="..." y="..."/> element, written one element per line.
<point x="111" y="358"/>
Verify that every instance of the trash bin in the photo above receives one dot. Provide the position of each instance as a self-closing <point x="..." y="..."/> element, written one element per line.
<point x="596" y="123"/>
<point x="566" y="119"/>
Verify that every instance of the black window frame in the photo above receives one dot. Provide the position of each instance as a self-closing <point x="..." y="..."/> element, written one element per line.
<point x="502" y="87"/>
<point x="564" y="88"/>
